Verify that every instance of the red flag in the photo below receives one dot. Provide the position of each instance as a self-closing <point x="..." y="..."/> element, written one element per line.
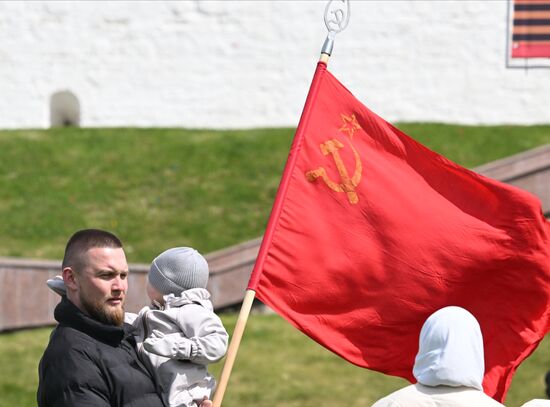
<point x="371" y="232"/>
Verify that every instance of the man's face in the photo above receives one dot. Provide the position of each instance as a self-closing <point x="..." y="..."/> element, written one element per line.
<point x="101" y="283"/>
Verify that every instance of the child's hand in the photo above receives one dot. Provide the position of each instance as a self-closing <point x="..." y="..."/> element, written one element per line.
<point x="206" y="403"/>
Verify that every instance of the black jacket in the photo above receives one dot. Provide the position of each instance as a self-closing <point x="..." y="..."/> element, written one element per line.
<point x="90" y="364"/>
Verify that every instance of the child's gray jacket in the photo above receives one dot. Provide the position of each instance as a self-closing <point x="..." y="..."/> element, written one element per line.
<point x="178" y="342"/>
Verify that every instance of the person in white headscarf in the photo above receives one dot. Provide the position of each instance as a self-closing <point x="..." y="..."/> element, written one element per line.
<point x="449" y="366"/>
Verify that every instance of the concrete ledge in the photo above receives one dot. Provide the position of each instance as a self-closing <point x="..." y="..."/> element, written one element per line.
<point x="529" y="170"/>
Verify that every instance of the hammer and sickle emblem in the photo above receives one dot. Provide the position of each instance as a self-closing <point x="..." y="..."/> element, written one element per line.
<point x="337" y="15"/>
<point x="338" y="19"/>
<point x="347" y="183"/>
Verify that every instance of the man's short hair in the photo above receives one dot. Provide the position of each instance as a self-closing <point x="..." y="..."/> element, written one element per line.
<point x="84" y="240"/>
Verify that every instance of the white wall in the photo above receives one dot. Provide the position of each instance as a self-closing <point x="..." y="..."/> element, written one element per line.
<point x="249" y="63"/>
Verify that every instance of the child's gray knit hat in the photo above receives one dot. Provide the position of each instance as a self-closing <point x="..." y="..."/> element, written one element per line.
<point x="177" y="270"/>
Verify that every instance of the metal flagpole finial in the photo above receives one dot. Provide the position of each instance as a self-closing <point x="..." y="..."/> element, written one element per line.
<point x="337" y="13"/>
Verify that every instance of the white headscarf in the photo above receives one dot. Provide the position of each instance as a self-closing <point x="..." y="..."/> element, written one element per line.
<point x="451" y="350"/>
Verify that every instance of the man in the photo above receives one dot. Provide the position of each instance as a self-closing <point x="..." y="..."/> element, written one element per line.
<point x="91" y="358"/>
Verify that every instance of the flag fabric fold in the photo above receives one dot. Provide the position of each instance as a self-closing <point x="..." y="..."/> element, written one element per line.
<point x="371" y="232"/>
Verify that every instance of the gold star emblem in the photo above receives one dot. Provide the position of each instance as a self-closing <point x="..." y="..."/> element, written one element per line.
<point x="349" y="124"/>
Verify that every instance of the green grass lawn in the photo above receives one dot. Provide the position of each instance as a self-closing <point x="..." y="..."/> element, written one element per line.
<point x="158" y="188"/>
<point x="277" y="366"/>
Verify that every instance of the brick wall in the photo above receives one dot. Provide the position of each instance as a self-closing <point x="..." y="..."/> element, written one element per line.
<point x="229" y="64"/>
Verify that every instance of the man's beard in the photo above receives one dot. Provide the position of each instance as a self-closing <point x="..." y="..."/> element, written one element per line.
<point x="103" y="313"/>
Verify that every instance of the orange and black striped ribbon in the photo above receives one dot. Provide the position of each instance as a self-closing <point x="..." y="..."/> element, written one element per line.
<point x="531" y="29"/>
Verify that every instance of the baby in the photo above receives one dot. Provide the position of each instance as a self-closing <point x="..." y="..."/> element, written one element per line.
<point x="179" y="335"/>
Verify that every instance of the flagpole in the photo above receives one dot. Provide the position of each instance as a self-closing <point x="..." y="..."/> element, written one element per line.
<point x="250" y="293"/>
<point x="340" y="18"/>
<point x="242" y="319"/>
<point x="234" y="346"/>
